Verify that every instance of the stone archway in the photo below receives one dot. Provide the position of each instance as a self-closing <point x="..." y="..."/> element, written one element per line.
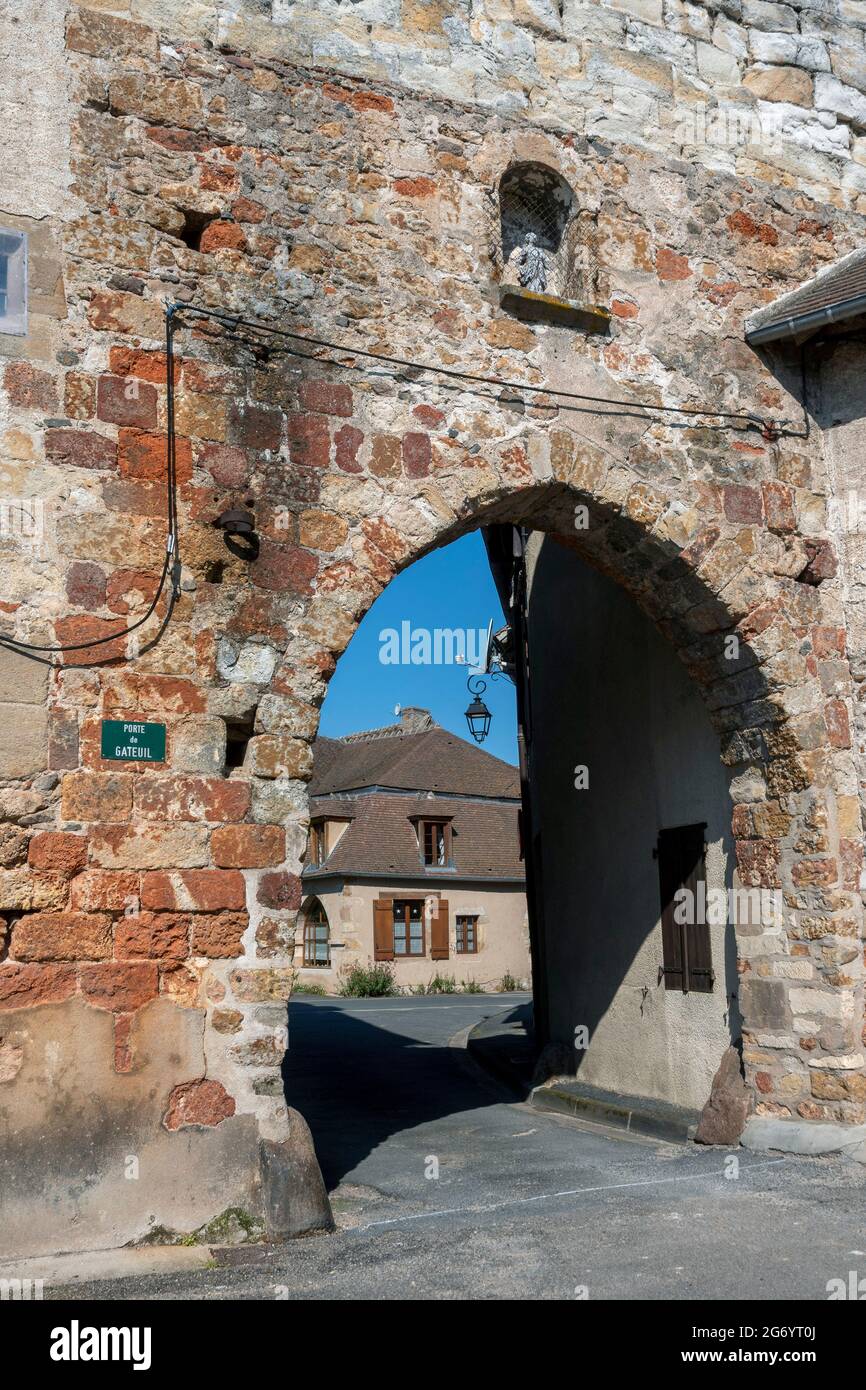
<point x="705" y="574"/>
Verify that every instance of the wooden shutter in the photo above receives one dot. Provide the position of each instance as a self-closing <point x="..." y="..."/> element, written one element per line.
<point x="439" y="931"/>
<point x="383" y="930"/>
<point x="687" y="958"/>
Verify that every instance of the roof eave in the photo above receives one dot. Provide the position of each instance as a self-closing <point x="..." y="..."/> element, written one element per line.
<point x="798" y="324"/>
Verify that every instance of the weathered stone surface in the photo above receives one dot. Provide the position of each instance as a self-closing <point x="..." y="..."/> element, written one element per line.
<point x="724" y="1115"/>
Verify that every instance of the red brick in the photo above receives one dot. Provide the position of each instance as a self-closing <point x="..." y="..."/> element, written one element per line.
<point x="623" y="309"/>
<point x="280" y="890"/>
<point x="836" y="719"/>
<point x="198" y="1103"/>
<point x="30" y="389"/>
<point x="416" y="455"/>
<point x="828" y="641"/>
<point x="142" y="456"/>
<point x="80" y="449"/>
<point x="192" y="798"/>
<point x="130" y="590"/>
<point x="126" y="401"/>
<point x="193" y="890"/>
<point x="118" y="986"/>
<point x="742" y="504"/>
<point x="96" y="796"/>
<point x="255" y="426"/>
<point x="219" y="236"/>
<point x="822" y="562"/>
<point x="285" y="568"/>
<point x="85" y="585"/>
<point x="245" y="210"/>
<point x="178" y="141"/>
<point x="218" y="935"/>
<point x="414" y="188"/>
<point x="123" y="1054"/>
<point x="671" y="266"/>
<point x="104" y="890"/>
<point x="779" y="506"/>
<point x="23" y="986"/>
<point x="160" y="936"/>
<point x="142" y="363"/>
<point x="309" y="440"/>
<point x="229" y="467"/>
<point x="58" y="851"/>
<point x="82" y="628"/>
<point x="129" y="690"/>
<point x="44" y="936"/>
<point x="207" y="378"/>
<point x="347" y="442"/>
<point x="326" y="398"/>
<point x="429" y="416"/>
<point x="248" y="846"/>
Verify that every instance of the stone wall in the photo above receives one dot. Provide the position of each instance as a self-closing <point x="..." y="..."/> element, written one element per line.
<point x="363" y="212"/>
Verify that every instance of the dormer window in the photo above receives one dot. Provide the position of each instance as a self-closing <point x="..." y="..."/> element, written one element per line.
<point x="317" y="852"/>
<point x="435" y="840"/>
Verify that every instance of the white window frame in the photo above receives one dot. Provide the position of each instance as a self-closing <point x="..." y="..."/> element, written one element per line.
<point x="13" y="249"/>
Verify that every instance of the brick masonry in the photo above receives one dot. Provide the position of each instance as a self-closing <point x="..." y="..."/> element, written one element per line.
<point x="341" y="179"/>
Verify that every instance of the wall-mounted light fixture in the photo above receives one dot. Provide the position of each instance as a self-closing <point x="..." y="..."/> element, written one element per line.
<point x="478" y="715"/>
<point x="239" y="533"/>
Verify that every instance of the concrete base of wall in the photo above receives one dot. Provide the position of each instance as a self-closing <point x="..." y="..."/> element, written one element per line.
<point x="653" y="1119"/>
<point x="763" y="1133"/>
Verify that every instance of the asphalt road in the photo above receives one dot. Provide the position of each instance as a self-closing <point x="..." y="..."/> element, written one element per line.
<point x="443" y="1187"/>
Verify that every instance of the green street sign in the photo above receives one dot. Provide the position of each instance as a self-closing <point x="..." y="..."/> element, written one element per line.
<point x="126" y="741"/>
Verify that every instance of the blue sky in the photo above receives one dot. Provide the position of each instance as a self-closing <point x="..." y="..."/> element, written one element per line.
<point x="451" y="588"/>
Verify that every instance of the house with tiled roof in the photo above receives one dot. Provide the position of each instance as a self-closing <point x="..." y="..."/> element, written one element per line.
<point x="413" y="858"/>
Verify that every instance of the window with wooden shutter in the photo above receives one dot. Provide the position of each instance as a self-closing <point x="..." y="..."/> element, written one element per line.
<point x="686" y="951"/>
<point x="439" y="931"/>
<point x="383" y="930"/>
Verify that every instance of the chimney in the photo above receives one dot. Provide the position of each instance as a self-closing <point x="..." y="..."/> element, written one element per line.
<point x="413" y="720"/>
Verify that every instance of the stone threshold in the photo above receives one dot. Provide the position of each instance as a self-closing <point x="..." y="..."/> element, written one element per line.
<point x="653" y="1119"/>
<point x="532" y="307"/>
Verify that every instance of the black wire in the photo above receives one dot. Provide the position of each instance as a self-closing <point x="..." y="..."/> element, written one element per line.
<point x="234" y="321"/>
<point x="171" y="563"/>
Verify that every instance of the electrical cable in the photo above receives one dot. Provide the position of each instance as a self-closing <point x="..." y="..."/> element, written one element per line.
<point x="234" y="321"/>
<point x="171" y="564"/>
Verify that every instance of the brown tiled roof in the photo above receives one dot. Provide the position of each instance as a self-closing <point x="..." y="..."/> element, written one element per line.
<point x="837" y="291"/>
<point x="381" y="839"/>
<point x="430" y="760"/>
<point x="431" y="773"/>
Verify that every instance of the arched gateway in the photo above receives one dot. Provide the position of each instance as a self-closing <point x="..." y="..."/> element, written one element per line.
<point x="151" y="906"/>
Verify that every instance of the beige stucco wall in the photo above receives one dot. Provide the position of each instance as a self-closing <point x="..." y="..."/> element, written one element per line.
<point x="503" y="938"/>
<point x="617" y="700"/>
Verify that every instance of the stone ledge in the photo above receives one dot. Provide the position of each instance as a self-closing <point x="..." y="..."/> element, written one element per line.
<point x="532" y="307"/>
<point x="763" y="1133"/>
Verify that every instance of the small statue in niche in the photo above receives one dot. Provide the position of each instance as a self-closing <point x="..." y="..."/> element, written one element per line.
<point x="531" y="265"/>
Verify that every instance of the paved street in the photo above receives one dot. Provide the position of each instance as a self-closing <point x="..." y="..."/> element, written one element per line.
<point x="444" y="1187"/>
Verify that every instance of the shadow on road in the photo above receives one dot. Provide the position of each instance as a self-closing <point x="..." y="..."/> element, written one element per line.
<point x="357" y="1081"/>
